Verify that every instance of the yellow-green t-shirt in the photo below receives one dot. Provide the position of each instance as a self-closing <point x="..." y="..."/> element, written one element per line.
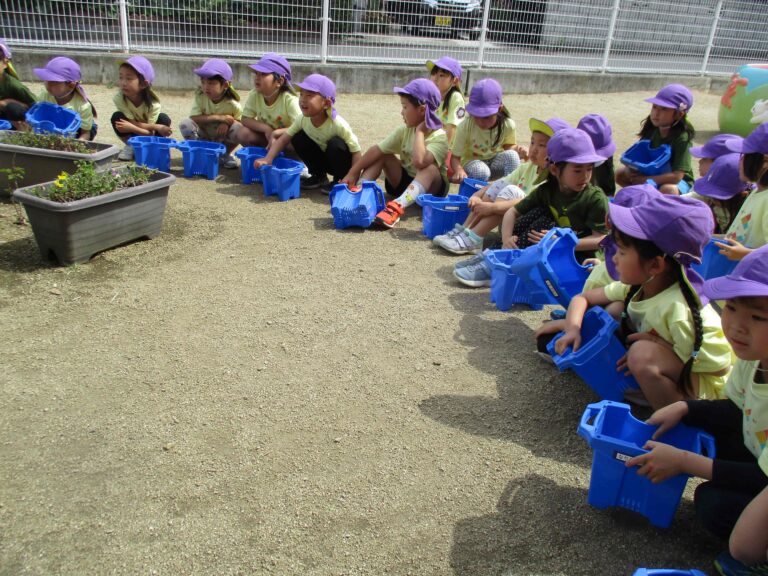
<point x="750" y="227"/>
<point x="141" y="113"/>
<point x="752" y="399"/>
<point x="452" y="112"/>
<point x="327" y="130"/>
<point x="526" y="177"/>
<point x="473" y="143"/>
<point x="204" y="106"/>
<point x="400" y="142"/>
<point x="598" y="277"/>
<point x="283" y="112"/>
<point x="79" y="104"/>
<point x="667" y="315"/>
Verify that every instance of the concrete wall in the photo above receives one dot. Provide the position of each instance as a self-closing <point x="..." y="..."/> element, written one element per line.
<point x="176" y="73"/>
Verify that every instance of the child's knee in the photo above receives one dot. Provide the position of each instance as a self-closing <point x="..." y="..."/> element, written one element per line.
<point x="641" y="359"/>
<point x="189" y="129"/>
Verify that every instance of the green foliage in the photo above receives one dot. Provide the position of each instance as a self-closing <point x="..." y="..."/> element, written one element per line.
<point x="85" y="182"/>
<point x="47" y="142"/>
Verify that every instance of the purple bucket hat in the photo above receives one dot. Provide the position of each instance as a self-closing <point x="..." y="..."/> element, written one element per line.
<point x="62" y="69"/>
<point x="715" y="146"/>
<point x="5" y="52"/>
<point x="427" y="93"/>
<point x="272" y="63"/>
<point x="143" y="67"/>
<point x="756" y="142"/>
<point x="323" y="86"/>
<point x="748" y="279"/>
<point x="215" y="67"/>
<point x="484" y="98"/>
<point x="572" y="145"/>
<point x="446" y="63"/>
<point x="722" y="182"/>
<point x="548" y="127"/>
<point x="675" y="96"/>
<point x="680" y="226"/>
<point x="599" y="130"/>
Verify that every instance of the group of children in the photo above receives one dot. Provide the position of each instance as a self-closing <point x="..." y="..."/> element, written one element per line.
<point x="647" y="238"/>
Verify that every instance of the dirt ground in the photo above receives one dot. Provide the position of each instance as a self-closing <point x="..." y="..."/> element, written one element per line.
<point x="255" y="392"/>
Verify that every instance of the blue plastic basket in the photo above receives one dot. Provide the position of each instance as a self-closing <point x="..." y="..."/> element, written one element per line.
<point x="441" y="214"/>
<point x="615" y="436"/>
<point x="469" y="186"/>
<point x="357" y="207"/>
<point x="713" y="264"/>
<point x="281" y="178"/>
<point x="595" y="361"/>
<point x="549" y="269"/>
<point x="646" y="160"/>
<point x="507" y="289"/>
<point x="247" y="156"/>
<point x="152" y="151"/>
<point x="666" y="572"/>
<point x="49" y="118"/>
<point x="5" y="125"/>
<point x="201" y="158"/>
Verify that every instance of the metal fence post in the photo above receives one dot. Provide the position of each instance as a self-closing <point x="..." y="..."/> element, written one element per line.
<point x="609" y="39"/>
<point x="124" y="38"/>
<point x="711" y="40"/>
<point x="324" y="39"/>
<point x="483" y="32"/>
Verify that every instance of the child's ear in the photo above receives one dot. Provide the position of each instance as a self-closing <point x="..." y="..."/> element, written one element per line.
<point x="658" y="265"/>
<point x="554" y="169"/>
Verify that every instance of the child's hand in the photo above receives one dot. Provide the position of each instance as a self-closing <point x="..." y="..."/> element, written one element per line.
<point x="459" y="175"/>
<point x="474" y="200"/>
<point x="535" y="236"/>
<point x="164" y="131"/>
<point x="571" y="337"/>
<point x="522" y="151"/>
<point x="123" y="125"/>
<point x="510" y="242"/>
<point x="222" y="129"/>
<point x="422" y="127"/>
<point x="732" y="249"/>
<point x="662" y="462"/>
<point x="667" y="417"/>
<point x="550" y="327"/>
<point x="483" y="208"/>
<point x="259" y="162"/>
<point x="349" y="180"/>
<point x="591" y="262"/>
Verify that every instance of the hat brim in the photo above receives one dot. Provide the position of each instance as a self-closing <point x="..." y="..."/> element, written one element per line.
<point x="704" y="187"/>
<point x="48" y="75"/>
<point x="606" y="151"/>
<point x="482" y="111"/>
<point x="208" y="73"/>
<point x="728" y="287"/>
<point x="266" y="69"/>
<point x="537" y="125"/>
<point x="586" y="158"/>
<point x="624" y="219"/>
<point x="661" y="102"/>
<point x="698" y="152"/>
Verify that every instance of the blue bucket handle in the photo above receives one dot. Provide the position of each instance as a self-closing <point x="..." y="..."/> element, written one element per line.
<point x="352" y="189"/>
<point x="706" y="444"/>
<point x="592" y="412"/>
<point x="381" y="201"/>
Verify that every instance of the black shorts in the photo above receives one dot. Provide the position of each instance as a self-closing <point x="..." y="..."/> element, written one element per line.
<point x="405" y="180"/>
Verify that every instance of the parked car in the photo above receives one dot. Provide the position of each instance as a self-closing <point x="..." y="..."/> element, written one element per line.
<point x="436" y="17"/>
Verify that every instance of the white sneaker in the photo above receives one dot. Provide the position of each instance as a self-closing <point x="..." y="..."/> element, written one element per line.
<point x="228" y="161"/>
<point x="457" y="229"/>
<point x="126" y="154"/>
<point x="461" y="244"/>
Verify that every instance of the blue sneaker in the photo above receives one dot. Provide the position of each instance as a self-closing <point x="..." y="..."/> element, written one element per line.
<point x="475" y="275"/>
<point x="474" y="260"/>
<point x="727" y="565"/>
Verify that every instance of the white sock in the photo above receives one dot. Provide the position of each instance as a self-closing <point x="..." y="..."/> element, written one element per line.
<point x="409" y="196"/>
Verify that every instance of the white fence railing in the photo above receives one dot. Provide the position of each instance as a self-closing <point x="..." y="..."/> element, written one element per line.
<point x="710" y="37"/>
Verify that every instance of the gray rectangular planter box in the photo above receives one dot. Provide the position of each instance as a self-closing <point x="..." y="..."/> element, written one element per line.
<point x="73" y="232"/>
<point x="42" y="165"/>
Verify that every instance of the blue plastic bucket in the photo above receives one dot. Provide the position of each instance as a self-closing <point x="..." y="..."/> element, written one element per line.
<point x="646" y="160"/>
<point x="507" y="289"/>
<point x="357" y="207"/>
<point x="469" y="186"/>
<point x="152" y="151"/>
<point x="281" y="178"/>
<point x="441" y="214"/>
<point x="713" y="264"/>
<point x="201" y="158"/>
<point x="49" y="118"/>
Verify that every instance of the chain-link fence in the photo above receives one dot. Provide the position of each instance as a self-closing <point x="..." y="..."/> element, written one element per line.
<point x="711" y="37"/>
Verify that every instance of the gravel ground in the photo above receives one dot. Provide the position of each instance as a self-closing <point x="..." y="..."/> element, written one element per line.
<point x="254" y="392"/>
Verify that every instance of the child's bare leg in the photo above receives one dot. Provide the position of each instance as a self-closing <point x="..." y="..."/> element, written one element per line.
<point x="615" y="309"/>
<point x="670" y="189"/>
<point x="430" y="178"/>
<point x="656" y="368"/>
<point x="749" y="539"/>
<point x="486" y="223"/>
<point x="247" y="137"/>
<point x="391" y="167"/>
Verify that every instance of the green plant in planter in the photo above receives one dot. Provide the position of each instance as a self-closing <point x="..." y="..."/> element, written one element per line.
<point x="48" y="142"/>
<point x="86" y="182"/>
<point x="14" y="175"/>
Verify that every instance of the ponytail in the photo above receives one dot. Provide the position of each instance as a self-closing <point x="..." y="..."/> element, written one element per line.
<point x="624" y="325"/>
<point x="501" y="117"/>
<point x="684" y="383"/>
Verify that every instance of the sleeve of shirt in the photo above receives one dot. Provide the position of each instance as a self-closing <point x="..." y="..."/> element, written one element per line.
<point x="616" y="291"/>
<point x="20" y="92"/>
<point x="534" y="199"/>
<point x="237" y="110"/>
<point x="510" y="135"/>
<point x="197" y="105"/>
<point x="746" y="476"/>
<point x="296" y="127"/>
<point x="86" y="116"/>
<point x="292" y="108"/>
<point x="595" y="218"/>
<point x="455" y="109"/>
<point x="460" y="140"/>
<point x="681" y="157"/>
<point x="393" y="142"/>
<point x="714" y="416"/>
<point x="249" y="109"/>
<point x="761" y="225"/>
<point x="344" y="132"/>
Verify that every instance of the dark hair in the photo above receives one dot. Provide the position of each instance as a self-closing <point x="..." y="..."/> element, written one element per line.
<point x="647" y="250"/>
<point x="753" y="164"/>
<point x="451" y="90"/>
<point x="412" y="99"/>
<point x="682" y="125"/>
<point x="731" y="207"/>
<point x="553" y="180"/>
<point x="146" y="96"/>
<point x="501" y="116"/>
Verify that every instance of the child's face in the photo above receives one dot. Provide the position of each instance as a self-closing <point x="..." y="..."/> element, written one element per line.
<point x="663" y="117"/>
<point x="537" y="153"/>
<point x="745" y="323"/>
<point x="313" y="103"/>
<point x="573" y="177"/>
<point x="630" y="268"/>
<point x="128" y="81"/>
<point x="704" y="164"/>
<point x="265" y="83"/>
<point x="485" y="122"/>
<point x="59" y="89"/>
<point x="412" y="115"/>
<point x="443" y="80"/>
<point x="213" y="88"/>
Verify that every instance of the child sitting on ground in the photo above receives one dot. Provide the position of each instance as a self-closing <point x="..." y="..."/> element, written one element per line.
<point x="138" y="107"/>
<point x="412" y="157"/>
<point x="321" y="137"/>
<point x="667" y="124"/>
<point x="272" y="105"/>
<point x="739" y="471"/>
<point x="216" y="112"/>
<point x="599" y="130"/>
<point x="489" y="204"/>
<point x="676" y="350"/>
<point x="15" y="98"/>
<point x="485" y="147"/>
<point x="62" y="86"/>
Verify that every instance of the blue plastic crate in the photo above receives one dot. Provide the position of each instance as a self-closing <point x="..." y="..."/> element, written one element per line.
<point x="713" y="264"/>
<point x="549" y="269"/>
<point x="152" y="151"/>
<point x="666" y="572"/>
<point x="646" y="160"/>
<point x="441" y="214"/>
<point x="469" y="186"/>
<point x="615" y="436"/>
<point x="356" y="207"/>
<point x="247" y="156"/>
<point x="281" y="178"/>
<point x="201" y="158"/>
<point x="49" y="118"/>
<point x="5" y="125"/>
<point x="595" y="361"/>
<point x="507" y="289"/>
